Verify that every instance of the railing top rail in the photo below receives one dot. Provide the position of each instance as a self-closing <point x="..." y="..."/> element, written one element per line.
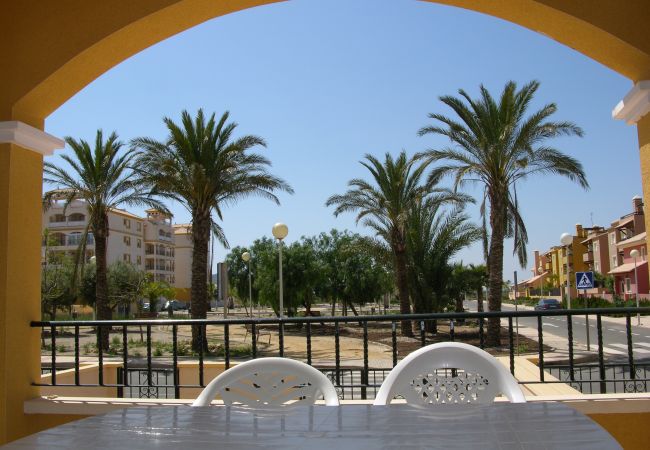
<point x="344" y="319"/>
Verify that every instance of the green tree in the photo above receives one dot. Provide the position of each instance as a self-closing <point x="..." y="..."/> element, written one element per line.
<point x="155" y="290"/>
<point x="364" y="278"/>
<point x="435" y="236"/>
<point x="100" y="176"/>
<point x="478" y="279"/>
<point x="58" y="289"/>
<point x="126" y="284"/>
<point x="497" y="144"/>
<point x="328" y="249"/>
<point x="238" y="275"/>
<point x="203" y="167"/>
<point x="383" y="205"/>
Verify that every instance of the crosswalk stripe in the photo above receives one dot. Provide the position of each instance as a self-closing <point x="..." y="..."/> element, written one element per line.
<point x="643" y="344"/>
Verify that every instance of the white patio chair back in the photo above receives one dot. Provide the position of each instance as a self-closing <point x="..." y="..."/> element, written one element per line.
<point x="270" y="382"/>
<point x="447" y="373"/>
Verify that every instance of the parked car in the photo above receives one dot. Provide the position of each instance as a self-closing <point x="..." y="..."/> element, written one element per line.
<point x="547" y="303"/>
<point x="176" y="305"/>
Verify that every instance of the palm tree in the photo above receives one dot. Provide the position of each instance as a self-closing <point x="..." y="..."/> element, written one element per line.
<point x="101" y="177"/>
<point x="384" y="206"/>
<point x="497" y="144"/>
<point x="478" y="279"/>
<point x="434" y="237"/>
<point x="203" y="167"/>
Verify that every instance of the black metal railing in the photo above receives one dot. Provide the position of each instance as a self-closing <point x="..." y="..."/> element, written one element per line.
<point x="361" y="382"/>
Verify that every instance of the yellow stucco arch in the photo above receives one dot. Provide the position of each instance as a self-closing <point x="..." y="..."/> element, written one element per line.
<point x="52" y="49"/>
<point x="57" y="48"/>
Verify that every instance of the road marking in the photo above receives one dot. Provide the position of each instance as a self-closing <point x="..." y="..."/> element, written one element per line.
<point x="636" y="350"/>
<point x="643" y="344"/>
<point x="550" y="325"/>
<point x="611" y="329"/>
<point x="614" y="351"/>
<point x="648" y="337"/>
<point x="636" y="334"/>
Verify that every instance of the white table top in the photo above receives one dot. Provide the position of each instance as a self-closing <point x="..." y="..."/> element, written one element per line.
<point x="501" y="425"/>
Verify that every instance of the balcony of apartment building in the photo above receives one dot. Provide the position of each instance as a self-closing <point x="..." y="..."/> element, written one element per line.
<point x="70" y="221"/>
<point x="166" y="236"/>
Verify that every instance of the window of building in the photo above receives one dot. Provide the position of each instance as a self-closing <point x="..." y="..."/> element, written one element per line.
<point x="127" y="240"/>
<point x="612" y="238"/>
<point x="597" y="266"/>
<point x="127" y="223"/>
<point x="643" y="253"/>
<point x="76" y="217"/>
<point x="596" y="247"/>
<point x="628" y="285"/>
<point x="57" y="218"/>
<point x="139" y="226"/>
<point x="614" y="261"/>
<point x="127" y="257"/>
<point x="139" y="260"/>
<point x="139" y="244"/>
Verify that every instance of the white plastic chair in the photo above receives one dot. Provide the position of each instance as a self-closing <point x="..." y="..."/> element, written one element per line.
<point x="480" y="377"/>
<point x="270" y="382"/>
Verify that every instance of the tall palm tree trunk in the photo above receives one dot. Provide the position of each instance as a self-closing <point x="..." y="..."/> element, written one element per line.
<point x="495" y="271"/>
<point x="199" y="291"/>
<point x="479" y="298"/>
<point x="402" y="287"/>
<point x="101" y="288"/>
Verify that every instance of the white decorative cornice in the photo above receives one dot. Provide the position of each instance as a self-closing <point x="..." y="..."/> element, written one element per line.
<point x="26" y="136"/>
<point x="635" y="105"/>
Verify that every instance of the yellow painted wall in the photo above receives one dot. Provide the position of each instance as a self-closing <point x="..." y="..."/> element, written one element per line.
<point x="44" y="66"/>
<point x="629" y="429"/>
<point x="183" y="294"/>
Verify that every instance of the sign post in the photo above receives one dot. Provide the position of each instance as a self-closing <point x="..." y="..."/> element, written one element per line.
<point x="516" y="317"/>
<point x="585" y="280"/>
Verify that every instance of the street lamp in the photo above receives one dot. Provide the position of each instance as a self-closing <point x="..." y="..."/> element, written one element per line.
<point x="280" y="232"/>
<point x="566" y="239"/>
<point x="246" y="257"/>
<point x="635" y="254"/>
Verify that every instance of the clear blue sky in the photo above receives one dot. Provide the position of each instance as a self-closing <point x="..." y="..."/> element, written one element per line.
<point x="326" y="81"/>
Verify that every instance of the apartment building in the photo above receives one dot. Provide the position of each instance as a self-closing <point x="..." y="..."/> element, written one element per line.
<point x="183" y="267"/>
<point x="626" y="238"/>
<point x="146" y="242"/>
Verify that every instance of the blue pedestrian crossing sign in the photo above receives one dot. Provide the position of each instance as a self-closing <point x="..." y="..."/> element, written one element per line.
<point x="584" y="280"/>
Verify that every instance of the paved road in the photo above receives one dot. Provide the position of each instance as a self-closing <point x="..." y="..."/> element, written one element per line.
<point x="614" y="334"/>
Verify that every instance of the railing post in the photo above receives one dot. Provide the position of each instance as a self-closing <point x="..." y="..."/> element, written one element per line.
<point x="226" y="345"/>
<point x="364" y="373"/>
<point x="423" y="340"/>
<point x="394" y="341"/>
<point x="254" y="339"/>
<point x="569" y="324"/>
<point x="630" y="349"/>
<point x="512" y="350"/>
<point x="125" y="354"/>
<point x="601" y="358"/>
<point x="308" y="332"/>
<point x="540" y="349"/>
<point x="149" y="375"/>
<point x="177" y="390"/>
<point x="337" y="353"/>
